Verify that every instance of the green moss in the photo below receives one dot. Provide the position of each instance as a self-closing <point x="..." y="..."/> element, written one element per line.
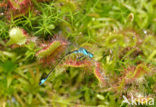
<point x="120" y="34"/>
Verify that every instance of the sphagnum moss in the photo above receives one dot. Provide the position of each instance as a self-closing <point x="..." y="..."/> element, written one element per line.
<point x="119" y="33"/>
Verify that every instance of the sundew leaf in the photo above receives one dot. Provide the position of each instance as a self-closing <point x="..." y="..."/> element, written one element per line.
<point x="140" y="70"/>
<point x="17" y="36"/>
<point x="135" y="73"/>
<point x="98" y="73"/>
<point x="75" y="63"/>
<point x="130" y="39"/>
<point x="13" y="4"/>
<point x="49" y="49"/>
<point x="18" y="8"/>
<point x="115" y="40"/>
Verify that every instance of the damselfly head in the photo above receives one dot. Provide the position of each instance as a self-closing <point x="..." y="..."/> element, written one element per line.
<point x="42" y="81"/>
<point x="90" y="55"/>
<point x="43" y="78"/>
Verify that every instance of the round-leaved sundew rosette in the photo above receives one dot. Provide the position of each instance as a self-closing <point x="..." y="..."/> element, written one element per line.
<point x="17" y="36"/>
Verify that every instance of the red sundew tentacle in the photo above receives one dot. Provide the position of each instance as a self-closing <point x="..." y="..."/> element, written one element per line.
<point x="54" y="54"/>
<point x="140" y="71"/>
<point x="133" y="74"/>
<point x="18" y="7"/>
<point x="11" y="5"/>
<point x="98" y="73"/>
<point x="75" y="63"/>
<point x="60" y="38"/>
<point x="25" y="2"/>
<point x="62" y="46"/>
<point x="128" y="72"/>
<point x="45" y="51"/>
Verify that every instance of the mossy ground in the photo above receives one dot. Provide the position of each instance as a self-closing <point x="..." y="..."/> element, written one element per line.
<point x="120" y="34"/>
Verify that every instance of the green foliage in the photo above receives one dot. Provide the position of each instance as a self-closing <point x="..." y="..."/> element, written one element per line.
<point x="120" y="34"/>
<point x="47" y="20"/>
<point x="3" y="29"/>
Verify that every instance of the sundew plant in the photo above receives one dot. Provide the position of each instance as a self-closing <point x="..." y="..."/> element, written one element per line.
<point x="77" y="53"/>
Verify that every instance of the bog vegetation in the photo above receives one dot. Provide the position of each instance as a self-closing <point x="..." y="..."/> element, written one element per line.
<point x="112" y="47"/>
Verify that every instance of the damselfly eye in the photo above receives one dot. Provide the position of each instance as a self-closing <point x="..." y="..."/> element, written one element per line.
<point x="42" y="81"/>
<point x="91" y="55"/>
